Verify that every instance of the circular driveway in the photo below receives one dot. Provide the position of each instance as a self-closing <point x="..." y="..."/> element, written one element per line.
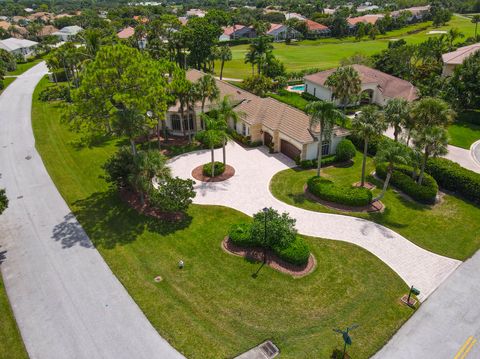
<point x="248" y="191"/>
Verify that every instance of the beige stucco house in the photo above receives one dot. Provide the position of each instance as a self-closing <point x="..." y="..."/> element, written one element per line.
<point x="455" y="58"/>
<point x="274" y="123"/>
<point x="377" y="87"/>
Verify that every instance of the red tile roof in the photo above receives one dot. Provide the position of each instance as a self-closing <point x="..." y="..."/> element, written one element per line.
<point x="315" y="26"/>
<point x="232" y="29"/>
<point x="370" y="19"/>
<point x="126" y="33"/>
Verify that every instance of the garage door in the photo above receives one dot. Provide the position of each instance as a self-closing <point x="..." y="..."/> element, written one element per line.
<point x="289" y="150"/>
<point x="267" y="139"/>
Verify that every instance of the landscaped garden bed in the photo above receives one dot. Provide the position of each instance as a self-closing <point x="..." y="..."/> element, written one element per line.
<point x="203" y="173"/>
<point x="344" y="195"/>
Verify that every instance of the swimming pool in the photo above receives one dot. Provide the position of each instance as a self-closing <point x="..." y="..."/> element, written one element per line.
<point x="298" y="88"/>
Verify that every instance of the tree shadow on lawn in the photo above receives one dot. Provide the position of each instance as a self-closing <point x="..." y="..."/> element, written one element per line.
<point x="109" y="221"/>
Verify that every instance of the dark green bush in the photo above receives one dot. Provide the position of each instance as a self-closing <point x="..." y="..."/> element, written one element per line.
<point x="297" y="252"/>
<point x="455" y="178"/>
<point x="329" y="191"/>
<point x="373" y="144"/>
<point x="402" y="179"/>
<point x="54" y="93"/>
<point x="326" y="161"/>
<point x="345" y="151"/>
<point x="219" y="168"/>
<point x="240" y="235"/>
<point x="200" y="137"/>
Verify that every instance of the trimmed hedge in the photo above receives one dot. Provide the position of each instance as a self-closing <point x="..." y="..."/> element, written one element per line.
<point x="329" y="191"/>
<point x="326" y="161"/>
<point x="402" y="179"/>
<point x="296" y="253"/>
<point x="455" y="178"/>
<point x="219" y="168"/>
<point x="345" y="151"/>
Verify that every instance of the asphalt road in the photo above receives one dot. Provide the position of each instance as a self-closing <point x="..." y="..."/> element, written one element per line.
<point x="447" y="325"/>
<point x="67" y="302"/>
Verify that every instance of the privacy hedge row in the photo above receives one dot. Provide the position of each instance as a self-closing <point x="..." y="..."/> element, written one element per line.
<point x="329" y="191"/>
<point x="219" y="168"/>
<point x="455" y="178"/>
<point x="326" y="161"/>
<point x="402" y="179"/>
<point x="296" y="252"/>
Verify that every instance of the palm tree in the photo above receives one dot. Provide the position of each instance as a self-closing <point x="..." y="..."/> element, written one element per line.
<point x="432" y="141"/>
<point x="207" y="89"/>
<point x="227" y="112"/>
<point x="396" y="114"/>
<point x="392" y="153"/>
<point x="147" y="165"/>
<point x="430" y="111"/>
<point x="454" y="34"/>
<point x="215" y="132"/>
<point x="224" y="54"/>
<point x="345" y="84"/>
<point x="369" y="124"/>
<point x="476" y="20"/>
<point x="251" y="58"/>
<point x="92" y="39"/>
<point x="259" y="49"/>
<point x="182" y="90"/>
<point x="322" y="114"/>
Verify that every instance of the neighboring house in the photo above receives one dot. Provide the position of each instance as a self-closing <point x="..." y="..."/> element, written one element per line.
<point x="316" y="30"/>
<point x="68" y="32"/>
<point x="365" y="8"/>
<point x="377" y="87"/>
<point x="196" y="13"/>
<point x="294" y="15"/>
<point x="183" y="20"/>
<point x="19" y="47"/>
<point x="281" y="32"/>
<point x="274" y="123"/>
<point x="328" y="11"/>
<point x="41" y="16"/>
<point x="60" y="16"/>
<point x="21" y="20"/>
<point x="237" y="32"/>
<point x="417" y="12"/>
<point x="455" y="58"/>
<point x="126" y="33"/>
<point x="5" y="25"/>
<point x="47" y="30"/>
<point x="366" y="19"/>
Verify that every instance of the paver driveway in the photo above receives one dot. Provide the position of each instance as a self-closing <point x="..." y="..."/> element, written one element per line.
<point x="248" y="191"/>
<point x="67" y="302"/>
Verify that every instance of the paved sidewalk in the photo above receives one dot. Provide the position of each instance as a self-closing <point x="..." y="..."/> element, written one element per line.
<point x="67" y="302"/>
<point x="446" y="324"/>
<point x="248" y="191"/>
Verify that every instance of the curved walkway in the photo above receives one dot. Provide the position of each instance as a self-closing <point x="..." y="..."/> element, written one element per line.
<point x="66" y="300"/>
<point x="248" y="191"/>
<point x="475" y="152"/>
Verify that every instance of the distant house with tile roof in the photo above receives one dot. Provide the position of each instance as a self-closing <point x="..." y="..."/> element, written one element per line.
<point x="416" y="13"/>
<point x="47" y="30"/>
<point x="237" y="32"/>
<point x="126" y="33"/>
<point x="68" y="32"/>
<point x="455" y="58"/>
<point x="19" y="47"/>
<point x="284" y="128"/>
<point x="316" y="30"/>
<point x="366" y="19"/>
<point x="281" y="32"/>
<point x="377" y="86"/>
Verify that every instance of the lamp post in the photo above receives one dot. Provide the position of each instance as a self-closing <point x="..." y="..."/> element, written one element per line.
<point x="265" y="211"/>
<point x="347" y="340"/>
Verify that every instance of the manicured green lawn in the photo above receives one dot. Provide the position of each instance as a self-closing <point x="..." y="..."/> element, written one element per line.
<point x="450" y="228"/>
<point x="214" y="308"/>
<point x="291" y="98"/>
<point x="11" y="344"/>
<point x="21" y="68"/>
<point x="465" y="130"/>
<point x="327" y="53"/>
<point x="7" y="81"/>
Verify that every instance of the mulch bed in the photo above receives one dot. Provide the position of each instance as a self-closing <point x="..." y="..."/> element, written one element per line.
<point x="133" y="200"/>
<point x="376" y="206"/>
<point x="273" y="260"/>
<point x="197" y="173"/>
<point x="367" y="185"/>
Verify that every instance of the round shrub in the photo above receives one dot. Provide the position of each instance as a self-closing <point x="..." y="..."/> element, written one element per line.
<point x="402" y="179"/>
<point x="345" y="151"/>
<point x="329" y="191"/>
<point x="219" y="168"/>
<point x="240" y="235"/>
<point x="297" y="252"/>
